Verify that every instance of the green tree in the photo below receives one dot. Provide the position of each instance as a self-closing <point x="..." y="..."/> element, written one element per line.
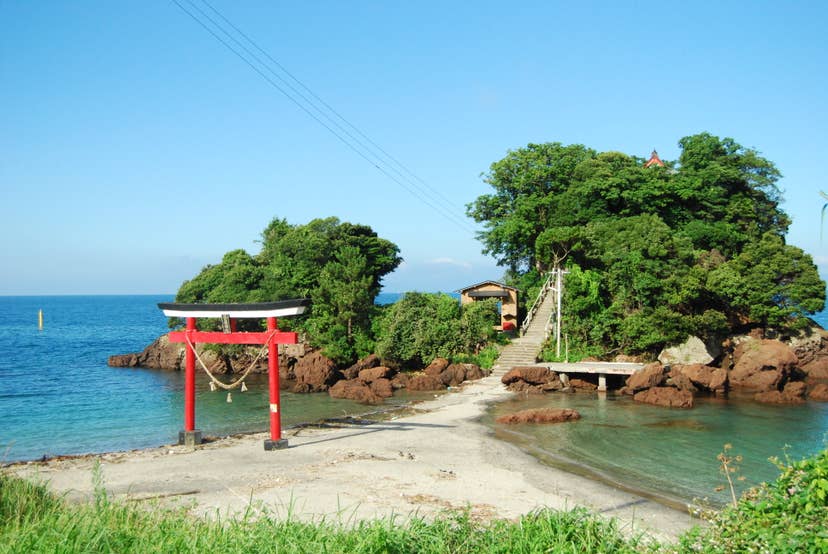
<point x="654" y="253"/>
<point x="528" y="184"/>
<point x="420" y="327"/>
<point x="343" y="304"/>
<point x="339" y="265"/>
<point x="770" y="283"/>
<point x="236" y="279"/>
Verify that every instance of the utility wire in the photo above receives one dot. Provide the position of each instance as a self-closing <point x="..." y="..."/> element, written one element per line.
<point x="378" y="162"/>
<point x="445" y="211"/>
<point x="326" y="105"/>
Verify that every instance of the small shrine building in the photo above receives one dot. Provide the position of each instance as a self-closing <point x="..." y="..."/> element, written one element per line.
<point x="506" y="295"/>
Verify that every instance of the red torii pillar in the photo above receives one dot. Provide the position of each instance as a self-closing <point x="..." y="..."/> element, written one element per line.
<point x="272" y="338"/>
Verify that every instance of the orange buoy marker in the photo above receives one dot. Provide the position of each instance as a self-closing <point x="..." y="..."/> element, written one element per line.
<point x="40" y="320"/>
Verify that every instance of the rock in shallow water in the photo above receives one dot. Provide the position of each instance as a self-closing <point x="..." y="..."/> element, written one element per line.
<point x="541" y="415"/>
<point x="666" y="396"/>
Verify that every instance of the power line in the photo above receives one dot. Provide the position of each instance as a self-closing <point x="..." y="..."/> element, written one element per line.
<point x="353" y="143"/>
<point x="326" y="105"/>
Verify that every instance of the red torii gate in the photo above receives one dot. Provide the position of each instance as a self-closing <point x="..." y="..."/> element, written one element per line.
<point x="272" y="337"/>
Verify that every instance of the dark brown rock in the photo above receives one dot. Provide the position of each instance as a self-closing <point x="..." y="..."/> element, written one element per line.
<point x="161" y="354"/>
<point x="453" y="375"/>
<point x="819" y="392"/>
<point x="651" y="375"/>
<point x="668" y="397"/>
<point x="581" y="385"/>
<point x="542" y="415"/>
<point x="356" y="390"/>
<point x="554" y="385"/>
<point x="367" y="362"/>
<point x="761" y="365"/>
<point x="794" y="389"/>
<point x="400" y="381"/>
<point x="533" y="375"/>
<point x="382" y="388"/>
<point x="793" y="393"/>
<point x="474" y="372"/>
<point x="680" y="381"/>
<point x="458" y="373"/>
<point x="815" y="370"/>
<point x="702" y="376"/>
<point x="425" y="383"/>
<point x="372" y="374"/>
<point x="123" y="360"/>
<point x="524" y="387"/>
<point x="436" y="367"/>
<point x="315" y="373"/>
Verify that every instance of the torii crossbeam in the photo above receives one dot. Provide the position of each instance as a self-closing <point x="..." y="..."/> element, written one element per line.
<point x="272" y="337"/>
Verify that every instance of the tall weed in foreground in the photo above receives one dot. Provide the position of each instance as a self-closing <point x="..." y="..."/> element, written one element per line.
<point x="33" y="520"/>
<point x="788" y="515"/>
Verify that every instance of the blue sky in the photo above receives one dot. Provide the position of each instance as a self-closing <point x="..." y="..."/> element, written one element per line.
<point x="135" y="148"/>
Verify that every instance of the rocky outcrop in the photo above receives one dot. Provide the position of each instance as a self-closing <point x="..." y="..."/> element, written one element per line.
<point x="368" y="362"/>
<point x="315" y="373"/>
<point x="810" y="345"/>
<point x="816" y="369"/>
<point x="677" y="379"/>
<point x="761" y="365"/>
<point x="382" y="388"/>
<point x="374" y="373"/>
<point x="425" y="382"/>
<point x="355" y="390"/>
<point x="161" y="354"/>
<point x="400" y="381"/>
<point x="531" y="374"/>
<point x="542" y="415"/>
<point x="582" y="385"/>
<point x="532" y="380"/>
<point x="692" y="351"/>
<point x="370" y="386"/>
<point x="436" y="367"/>
<point x="649" y="376"/>
<point x="819" y="392"/>
<point x="713" y="379"/>
<point x="793" y="393"/>
<point x="668" y="397"/>
<point x="455" y="374"/>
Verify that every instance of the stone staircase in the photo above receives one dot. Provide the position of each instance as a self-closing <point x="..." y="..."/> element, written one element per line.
<point x="525" y="349"/>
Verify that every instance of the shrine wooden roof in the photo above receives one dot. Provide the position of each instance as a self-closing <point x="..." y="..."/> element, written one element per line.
<point x="255" y="310"/>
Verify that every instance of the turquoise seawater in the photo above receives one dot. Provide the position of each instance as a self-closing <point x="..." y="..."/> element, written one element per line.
<point x="58" y="396"/>
<point x="668" y="453"/>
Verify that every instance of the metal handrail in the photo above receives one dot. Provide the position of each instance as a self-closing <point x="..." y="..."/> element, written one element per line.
<point x="536" y="305"/>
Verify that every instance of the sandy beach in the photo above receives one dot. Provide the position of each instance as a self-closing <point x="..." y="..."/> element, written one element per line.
<point x="434" y="457"/>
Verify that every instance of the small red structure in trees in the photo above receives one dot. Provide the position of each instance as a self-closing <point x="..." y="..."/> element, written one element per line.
<point x="654" y="160"/>
<point x="272" y="338"/>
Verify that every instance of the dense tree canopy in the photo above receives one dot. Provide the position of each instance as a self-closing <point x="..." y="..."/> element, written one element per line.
<point x="421" y="327"/>
<point x="654" y="253"/>
<point x="339" y="265"/>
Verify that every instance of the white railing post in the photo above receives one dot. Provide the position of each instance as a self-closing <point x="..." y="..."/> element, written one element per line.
<point x="530" y="315"/>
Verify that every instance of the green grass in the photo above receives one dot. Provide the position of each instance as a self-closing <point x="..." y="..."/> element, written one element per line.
<point x="485" y="358"/>
<point x="33" y="520"/>
<point x="788" y="515"/>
